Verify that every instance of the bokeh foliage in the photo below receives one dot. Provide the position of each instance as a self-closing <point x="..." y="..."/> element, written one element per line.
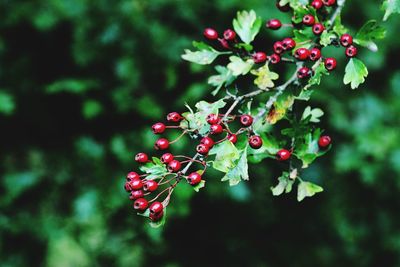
<point x="80" y="83"/>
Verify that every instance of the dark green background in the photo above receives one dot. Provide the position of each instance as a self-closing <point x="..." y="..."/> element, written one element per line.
<point x="82" y="81"/>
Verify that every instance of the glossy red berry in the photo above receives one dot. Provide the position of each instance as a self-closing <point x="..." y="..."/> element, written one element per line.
<point x="207" y="141"/>
<point x="127" y="186"/>
<point x="132" y="175"/>
<point x="315" y="54"/>
<point x="303" y="73"/>
<point x="283" y="154"/>
<point x="288" y="44"/>
<point x="329" y="2"/>
<point x="150" y="186"/>
<point x="246" y="120"/>
<point x="202" y="149"/>
<point x="135" y="194"/>
<point x="318" y="28"/>
<point x="324" y="141"/>
<point x="259" y="57"/>
<point x="216" y="129"/>
<point x="224" y="43"/>
<point x="161" y="144"/>
<point x="232" y="138"/>
<point x="229" y="35"/>
<point x="194" y="178"/>
<point x="275" y="58"/>
<point x="274" y="24"/>
<point x="174" y="117"/>
<point x="210" y="34"/>
<point x="136" y="184"/>
<point x="158" y="128"/>
<point x="308" y="20"/>
<point x="212" y="119"/>
<point x="278" y="47"/>
<point x="330" y="63"/>
<point x="283" y="8"/>
<point x="141" y="158"/>
<point x="167" y="158"/>
<point x="156" y="207"/>
<point x="351" y="51"/>
<point x="302" y="53"/>
<point x="346" y="40"/>
<point x="317" y="4"/>
<point x="255" y="141"/>
<point x="174" y="166"/>
<point x="155" y="217"/>
<point x="140" y="204"/>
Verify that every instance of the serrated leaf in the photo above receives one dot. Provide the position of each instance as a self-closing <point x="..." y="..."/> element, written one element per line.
<point x="238" y="66"/>
<point x="355" y="73"/>
<point x="226" y="155"/>
<point x="265" y="77"/>
<point x="307" y="149"/>
<point x="199" y="186"/>
<point x="314" y="114"/>
<point x="390" y="7"/>
<point x="240" y="171"/>
<point x="307" y="189"/>
<point x="285" y="185"/>
<point x="303" y="38"/>
<point x="224" y="77"/>
<point x="247" y="25"/>
<point x="318" y="73"/>
<point x="278" y="110"/>
<point x="305" y="95"/>
<point x="154" y="169"/>
<point x="205" y="55"/>
<point x="327" y="38"/>
<point x="368" y="33"/>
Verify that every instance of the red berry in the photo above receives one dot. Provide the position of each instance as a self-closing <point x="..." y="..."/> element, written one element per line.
<point x="136" y="194"/>
<point x="132" y="175"/>
<point x="229" y="35"/>
<point x="156" y="207"/>
<point x="330" y="63"/>
<point x="346" y="40"/>
<point x="315" y="54"/>
<point x="202" y="149"/>
<point x="150" y="186"/>
<point x="216" y="129"/>
<point x="167" y="158"/>
<point x="288" y="43"/>
<point x="302" y="53"/>
<point x="283" y="154"/>
<point x="127" y="186"/>
<point x="308" y="20"/>
<point x="224" y="43"/>
<point x="246" y="120"/>
<point x="212" y="119"/>
<point x="351" y="51"/>
<point x="141" y="158"/>
<point x="283" y="8"/>
<point x="207" y="141"/>
<point x="210" y="34"/>
<point x="275" y="59"/>
<point x="194" y="178"/>
<point x="329" y="2"/>
<point x="174" y="117"/>
<point x="278" y="47"/>
<point x="136" y="184"/>
<point x="274" y="24"/>
<point x="317" y="4"/>
<point x="158" y="128"/>
<point x="259" y="57"/>
<point x="255" y="141"/>
<point x="303" y="72"/>
<point x="318" y="28"/>
<point x="161" y="144"/>
<point x="140" y="204"/>
<point x="174" y="166"/>
<point x="156" y="217"/>
<point x="324" y="141"/>
<point x="232" y="138"/>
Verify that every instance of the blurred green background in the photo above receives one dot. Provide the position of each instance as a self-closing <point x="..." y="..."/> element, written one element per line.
<point x="80" y="84"/>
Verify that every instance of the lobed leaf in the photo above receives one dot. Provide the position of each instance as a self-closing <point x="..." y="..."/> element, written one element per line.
<point x="240" y="171"/>
<point x="247" y="25"/>
<point x="355" y="73"/>
<point x="390" y="7"/>
<point x="238" y="66"/>
<point x="265" y="77"/>
<point x="307" y="189"/>
<point x="368" y="33"/>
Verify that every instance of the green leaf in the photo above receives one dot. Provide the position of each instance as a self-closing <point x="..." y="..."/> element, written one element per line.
<point x="300" y="9"/>
<point x="307" y="189"/>
<point x="199" y="186"/>
<point x="204" y="56"/>
<point x="285" y="185"/>
<point x="154" y="169"/>
<point x="318" y="73"/>
<point x="368" y="33"/>
<point x="303" y="38"/>
<point x="307" y="149"/>
<point x="281" y="105"/>
<point x="247" y="25"/>
<point x="238" y="66"/>
<point x="224" y="77"/>
<point x="240" y="171"/>
<point x="226" y="155"/>
<point x="314" y="114"/>
<point x="327" y="38"/>
<point x="355" y="73"/>
<point x="265" y="77"/>
<point x="338" y="27"/>
<point x="390" y="7"/>
<point x="74" y="86"/>
<point x="7" y="104"/>
<point x="268" y="149"/>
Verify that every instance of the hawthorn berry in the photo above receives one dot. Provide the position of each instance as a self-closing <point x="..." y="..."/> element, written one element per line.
<point x="202" y="149"/>
<point x="167" y="158"/>
<point x="346" y="40"/>
<point x="141" y="158"/>
<point x="136" y="184"/>
<point x="216" y="129"/>
<point x="317" y="4"/>
<point x="161" y="144"/>
<point x="351" y="51"/>
<point x="132" y="175"/>
<point x="246" y="120"/>
<point x="324" y="141"/>
<point x="315" y="54"/>
<point x="283" y="154"/>
<point x="156" y="207"/>
<point x="318" y="28"/>
<point x="158" y="128"/>
<point x="283" y="8"/>
<point x="302" y="53"/>
<point x="174" y="117"/>
<point x="135" y="194"/>
<point x="212" y="119"/>
<point x="224" y="43"/>
<point x="194" y="178"/>
<point x="278" y="47"/>
<point x="274" y="24"/>
<point x="127" y="186"/>
<point x="140" y="204"/>
<point x="329" y="2"/>
<point x="288" y="44"/>
<point x="174" y="166"/>
<point x="207" y="141"/>
<point x="330" y="63"/>
<point x="232" y="138"/>
<point x="308" y="20"/>
<point x="303" y="73"/>
<point x="229" y="35"/>
<point x="150" y="186"/>
<point x="275" y="58"/>
<point x="255" y="141"/>
<point x="210" y="34"/>
<point x="155" y="217"/>
<point x="259" y="57"/>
